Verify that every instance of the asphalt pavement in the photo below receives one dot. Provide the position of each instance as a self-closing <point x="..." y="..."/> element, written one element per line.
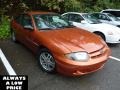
<point x="24" y="62"/>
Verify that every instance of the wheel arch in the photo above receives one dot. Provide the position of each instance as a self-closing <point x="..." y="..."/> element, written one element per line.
<point x="41" y="47"/>
<point x="44" y="48"/>
<point x="100" y="33"/>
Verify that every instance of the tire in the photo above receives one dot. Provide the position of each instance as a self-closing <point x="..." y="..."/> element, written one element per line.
<point x="101" y="35"/>
<point x="46" y="61"/>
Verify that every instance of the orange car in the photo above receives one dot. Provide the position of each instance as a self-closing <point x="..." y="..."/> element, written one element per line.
<point x="59" y="45"/>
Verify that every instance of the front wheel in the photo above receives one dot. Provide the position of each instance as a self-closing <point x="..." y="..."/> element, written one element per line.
<point x="46" y="61"/>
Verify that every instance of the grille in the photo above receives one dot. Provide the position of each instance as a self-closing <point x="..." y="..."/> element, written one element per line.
<point x="97" y="53"/>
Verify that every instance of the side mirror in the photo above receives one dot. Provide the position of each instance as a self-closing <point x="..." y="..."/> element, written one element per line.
<point x="29" y="27"/>
<point x="83" y="22"/>
<point x="71" y="23"/>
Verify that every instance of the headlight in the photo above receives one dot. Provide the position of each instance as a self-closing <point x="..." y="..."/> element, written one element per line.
<point x="78" y="56"/>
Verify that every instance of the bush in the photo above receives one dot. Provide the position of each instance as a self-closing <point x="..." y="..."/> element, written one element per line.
<point x="72" y="5"/>
<point x="5" y="28"/>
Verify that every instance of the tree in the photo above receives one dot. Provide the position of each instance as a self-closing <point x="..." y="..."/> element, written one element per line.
<point x="16" y="6"/>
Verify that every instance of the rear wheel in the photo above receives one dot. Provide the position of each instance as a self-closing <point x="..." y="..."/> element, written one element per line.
<point x="46" y="61"/>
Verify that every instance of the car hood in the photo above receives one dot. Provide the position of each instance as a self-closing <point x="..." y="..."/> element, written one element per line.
<point x="116" y="22"/>
<point x="74" y="39"/>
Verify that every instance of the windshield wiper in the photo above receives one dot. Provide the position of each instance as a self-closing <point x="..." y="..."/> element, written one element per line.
<point x="47" y="28"/>
<point x="70" y="26"/>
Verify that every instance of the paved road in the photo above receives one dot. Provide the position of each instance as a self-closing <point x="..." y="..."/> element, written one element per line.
<point x="2" y="69"/>
<point x="25" y="63"/>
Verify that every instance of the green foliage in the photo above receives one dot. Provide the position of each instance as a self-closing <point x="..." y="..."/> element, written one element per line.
<point x="52" y="4"/>
<point x="72" y="5"/>
<point x="5" y="28"/>
<point x="17" y="6"/>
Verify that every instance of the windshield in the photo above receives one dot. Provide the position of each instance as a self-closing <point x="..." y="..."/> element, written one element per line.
<point x="91" y="19"/>
<point x="113" y="17"/>
<point x="50" y="21"/>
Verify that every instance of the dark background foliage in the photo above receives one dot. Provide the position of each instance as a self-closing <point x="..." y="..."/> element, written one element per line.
<point x="11" y="7"/>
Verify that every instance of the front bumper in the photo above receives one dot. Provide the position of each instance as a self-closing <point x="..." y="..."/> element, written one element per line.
<point x="74" y="68"/>
<point x="113" y="39"/>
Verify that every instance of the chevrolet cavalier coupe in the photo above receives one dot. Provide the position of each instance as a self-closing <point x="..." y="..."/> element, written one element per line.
<point x="59" y="46"/>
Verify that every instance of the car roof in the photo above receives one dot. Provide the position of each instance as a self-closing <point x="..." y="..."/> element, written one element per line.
<point x="74" y="13"/>
<point x="111" y="10"/>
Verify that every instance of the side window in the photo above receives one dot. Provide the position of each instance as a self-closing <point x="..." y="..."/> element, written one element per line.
<point x="116" y="13"/>
<point x="76" y="18"/>
<point x="96" y="15"/>
<point x="18" y="19"/>
<point x="104" y="17"/>
<point x="66" y="16"/>
<point x="113" y="13"/>
<point x="26" y="20"/>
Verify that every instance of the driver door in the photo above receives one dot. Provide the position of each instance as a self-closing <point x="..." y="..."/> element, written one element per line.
<point x="76" y="20"/>
<point x="105" y="19"/>
<point x="27" y="32"/>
